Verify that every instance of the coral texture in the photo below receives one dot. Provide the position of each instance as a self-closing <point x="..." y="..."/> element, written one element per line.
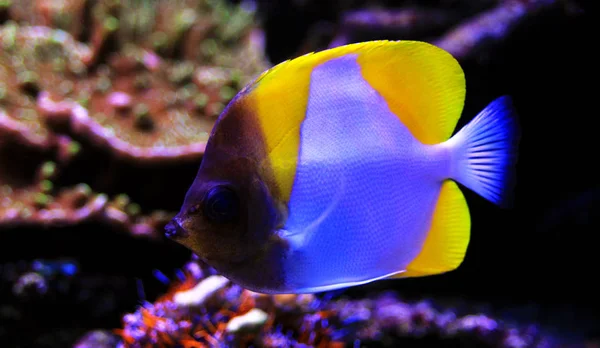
<point x="207" y="310"/>
<point x="142" y="81"/>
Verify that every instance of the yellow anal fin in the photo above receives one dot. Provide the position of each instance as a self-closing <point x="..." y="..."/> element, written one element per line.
<point x="446" y="243"/>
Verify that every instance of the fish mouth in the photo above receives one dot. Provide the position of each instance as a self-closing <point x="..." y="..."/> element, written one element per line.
<point x="173" y="230"/>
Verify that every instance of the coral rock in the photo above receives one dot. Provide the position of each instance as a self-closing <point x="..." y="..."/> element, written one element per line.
<point x="146" y="88"/>
<point x="237" y="317"/>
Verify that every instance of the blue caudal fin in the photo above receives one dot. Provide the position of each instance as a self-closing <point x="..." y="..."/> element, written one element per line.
<point x="484" y="152"/>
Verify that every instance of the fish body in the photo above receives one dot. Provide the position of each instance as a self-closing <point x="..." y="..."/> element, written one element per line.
<point x="339" y="168"/>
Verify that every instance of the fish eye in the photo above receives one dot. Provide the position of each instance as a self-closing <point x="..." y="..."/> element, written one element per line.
<point x="221" y="204"/>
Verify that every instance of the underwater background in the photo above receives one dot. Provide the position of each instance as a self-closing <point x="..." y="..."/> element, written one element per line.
<point x="105" y="108"/>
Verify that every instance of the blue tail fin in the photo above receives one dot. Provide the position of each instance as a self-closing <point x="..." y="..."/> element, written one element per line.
<point x="484" y="152"/>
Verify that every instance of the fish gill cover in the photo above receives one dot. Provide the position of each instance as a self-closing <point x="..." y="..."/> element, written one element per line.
<point x="105" y="110"/>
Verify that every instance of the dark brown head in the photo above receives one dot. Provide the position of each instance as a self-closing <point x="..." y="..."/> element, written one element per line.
<point x="229" y="213"/>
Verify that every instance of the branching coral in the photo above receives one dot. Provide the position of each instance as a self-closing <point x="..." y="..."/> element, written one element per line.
<point x="404" y="22"/>
<point x="463" y="28"/>
<point x="207" y="310"/>
<point x="492" y="26"/>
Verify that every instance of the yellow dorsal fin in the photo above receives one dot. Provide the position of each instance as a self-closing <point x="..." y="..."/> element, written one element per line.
<point x="280" y="96"/>
<point x="422" y="84"/>
<point x="446" y="243"/>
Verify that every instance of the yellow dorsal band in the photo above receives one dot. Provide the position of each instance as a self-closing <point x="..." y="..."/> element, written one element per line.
<point x="421" y="83"/>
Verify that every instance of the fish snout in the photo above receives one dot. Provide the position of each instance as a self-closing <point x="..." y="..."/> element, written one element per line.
<point x="173" y="230"/>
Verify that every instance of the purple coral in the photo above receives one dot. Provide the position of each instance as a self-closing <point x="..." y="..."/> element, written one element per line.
<point x="211" y="310"/>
